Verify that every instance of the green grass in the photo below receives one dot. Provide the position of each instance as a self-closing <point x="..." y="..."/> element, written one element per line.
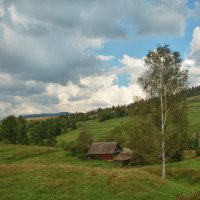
<point x="10" y="154"/>
<point x="31" y="172"/>
<point x="194" y="114"/>
<point x="95" y="128"/>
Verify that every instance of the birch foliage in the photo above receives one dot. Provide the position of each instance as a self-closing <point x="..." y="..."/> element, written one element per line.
<point x="165" y="80"/>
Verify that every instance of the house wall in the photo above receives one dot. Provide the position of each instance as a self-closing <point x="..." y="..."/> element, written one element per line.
<point x="104" y="156"/>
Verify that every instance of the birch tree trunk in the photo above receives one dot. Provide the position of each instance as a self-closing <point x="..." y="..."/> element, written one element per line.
<point x="163" y="137"/>
<point x="163" y="159"/>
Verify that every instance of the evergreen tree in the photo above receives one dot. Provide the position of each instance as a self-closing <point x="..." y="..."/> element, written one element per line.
<point x="22" y="137"/>
<point x="9" y="129"/>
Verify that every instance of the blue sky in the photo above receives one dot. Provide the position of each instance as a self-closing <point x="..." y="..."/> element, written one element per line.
<point x="81" y="55"/>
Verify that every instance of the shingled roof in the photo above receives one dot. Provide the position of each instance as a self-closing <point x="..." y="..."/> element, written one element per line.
<point x="126" y="154"/>
<point x="123" y="156"/>
<point x="104" y="148"/>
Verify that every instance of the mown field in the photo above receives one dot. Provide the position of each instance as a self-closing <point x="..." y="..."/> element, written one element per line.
<point x="30" y="172"/>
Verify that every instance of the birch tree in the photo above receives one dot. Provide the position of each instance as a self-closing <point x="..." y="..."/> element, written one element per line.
<point x="164" y="80"/>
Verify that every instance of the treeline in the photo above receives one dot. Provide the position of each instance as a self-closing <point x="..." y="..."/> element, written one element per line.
<point x="18" y="130"/>
<point x="193" y="91"/>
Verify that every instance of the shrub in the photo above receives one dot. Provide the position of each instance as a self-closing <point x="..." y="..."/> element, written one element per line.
<point x="198" y="152"/>
<point x="50" y="141"/>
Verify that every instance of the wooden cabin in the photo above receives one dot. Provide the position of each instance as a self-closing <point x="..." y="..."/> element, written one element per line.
<point x="103" y="150"/>
<point x="124" y="157"/>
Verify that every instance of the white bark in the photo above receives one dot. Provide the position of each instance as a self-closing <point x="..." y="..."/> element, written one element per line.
<point x="163" y="120"/>
<point x="163" y="159"/>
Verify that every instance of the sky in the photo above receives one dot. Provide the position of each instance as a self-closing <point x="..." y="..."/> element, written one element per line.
<point x="75" y="56"/>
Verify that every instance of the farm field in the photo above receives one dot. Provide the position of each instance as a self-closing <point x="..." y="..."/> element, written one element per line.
<point x="30" y="172"/>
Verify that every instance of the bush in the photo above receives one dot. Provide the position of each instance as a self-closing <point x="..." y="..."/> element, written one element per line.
<point x="62" y="144"/>
<point x="177" y="156"/>
<point x="83" y="142"/>
<point x="72" y="148"/>
<point x="50" y="141"/>
<point x="198" y="152"/>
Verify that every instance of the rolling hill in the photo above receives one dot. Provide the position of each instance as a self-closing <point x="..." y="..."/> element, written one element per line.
<point x="95" y="128"/>
<point x="44" y="115"/>
<point x="32" y="172"/>
<point x="194" y="113"/>
<point x="99" y="129"/>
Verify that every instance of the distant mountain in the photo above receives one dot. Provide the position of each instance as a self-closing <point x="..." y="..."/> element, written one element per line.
<point x="45" y="115"/>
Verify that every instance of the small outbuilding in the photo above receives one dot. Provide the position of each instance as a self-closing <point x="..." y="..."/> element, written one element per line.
<point x="103" y="150"/>
<point x="124" y="157"/>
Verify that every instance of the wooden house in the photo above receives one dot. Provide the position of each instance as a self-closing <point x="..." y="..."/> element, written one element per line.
<point x="124" y="157"/>
<point x="103" y="150"/>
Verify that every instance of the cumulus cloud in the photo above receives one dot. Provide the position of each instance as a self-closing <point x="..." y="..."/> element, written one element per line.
<point x="94" y="92"/>
<point x="195" y="45"/>
<point x="159" y="18"/>
<point x="42" y="45"/>
<point x="131" y="66"/>
<point x="192" y="62"/>
<point x="11" y="86"/>
<point x="48" y="51"/>
<point x="105" y="58"/>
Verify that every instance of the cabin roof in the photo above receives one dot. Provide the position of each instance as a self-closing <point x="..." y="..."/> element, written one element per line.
<point x="127" y="150"/>
<point x="122" y="156"/>
<point x="104" y="148"/>
<point x="126" y="154"/>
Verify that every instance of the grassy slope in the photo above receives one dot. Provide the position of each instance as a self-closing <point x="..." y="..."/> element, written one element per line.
<point x="28" y="172"/>
<point x="96" y="128"/>
<point x="194" y="114"/>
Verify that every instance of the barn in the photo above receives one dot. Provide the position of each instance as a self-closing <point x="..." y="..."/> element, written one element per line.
<point x="103" y="150"/>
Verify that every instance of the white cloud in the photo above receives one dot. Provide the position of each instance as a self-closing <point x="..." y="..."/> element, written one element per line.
<point x="192" y="62"/>
<point x="133" y="66"/>
<point x="132" y="62"/>
<point x="99" y="90"/>
<point x="92" y="92"/>
<point x="105" y="58"/>
<point x="195" y="44"/>
<point x="48" y="59"/>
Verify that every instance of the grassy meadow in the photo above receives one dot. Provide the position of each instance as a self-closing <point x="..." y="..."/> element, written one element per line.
<point x="194" y="114"/>
<point x="31" y="172"/>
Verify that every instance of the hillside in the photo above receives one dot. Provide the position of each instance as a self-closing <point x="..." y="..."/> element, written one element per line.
<point x="44" y="115"/>
<point x="99" y="129"/>
<point x="96" y="128"/>
<point x="194" y="113"/>
<point x="31" y="172"/>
